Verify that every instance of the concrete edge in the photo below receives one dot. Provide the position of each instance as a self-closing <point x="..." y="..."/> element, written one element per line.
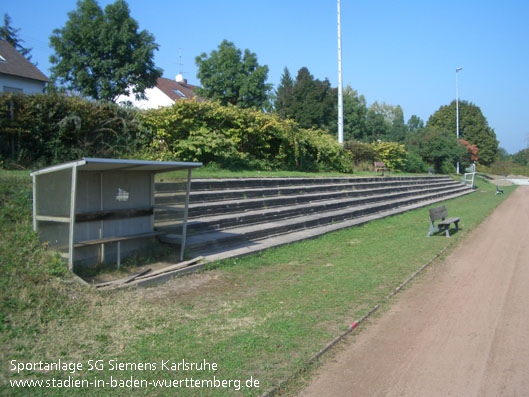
<point x="315" y="232"/>
<point x="158" y="277"/>
<point x="244" y="250"/>
<point x="351" y="327"/>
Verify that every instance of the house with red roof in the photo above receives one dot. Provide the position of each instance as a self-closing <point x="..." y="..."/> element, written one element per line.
<point x="165" y="93"/>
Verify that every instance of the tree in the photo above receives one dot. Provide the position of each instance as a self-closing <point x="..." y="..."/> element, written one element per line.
<point x="228" y="76"/>
<point x="398" y="130"/>
<point x="437" y="147"/>
<point x="473" y="127"/>
<point x="503" y="154"/>
<point x="385" y="122"/>
<point x="470" y="155"/>
<point x="284" y="95"/>
<point x="10" y="34"/>
<point x="376" y="126"/>
<point x="354" y="115"/>
<point x="102" y="54"/>
<point x="415" y="124"/>
<point x="312" y="102"/>
<point x="521" y="157"/>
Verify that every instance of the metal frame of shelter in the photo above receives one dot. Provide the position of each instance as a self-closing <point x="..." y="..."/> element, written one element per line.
<point x="82" y="204"/>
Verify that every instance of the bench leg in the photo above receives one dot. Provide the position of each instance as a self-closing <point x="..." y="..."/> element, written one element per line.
<point x="447" y="231"/>
<point x="119" y="254"/>
<point x="432" y="229"/>
<point x="457" y="226"/>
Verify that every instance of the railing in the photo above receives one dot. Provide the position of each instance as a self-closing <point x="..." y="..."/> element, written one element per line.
<point x="469" y="179"/>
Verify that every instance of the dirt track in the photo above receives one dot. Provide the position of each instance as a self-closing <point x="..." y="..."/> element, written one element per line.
<point x="461" y="330"/>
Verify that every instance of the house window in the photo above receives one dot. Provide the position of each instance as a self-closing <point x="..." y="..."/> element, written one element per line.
<point x="179" y="93"/>
<point x="12" y="89"/>
<point x="2" y="59"/>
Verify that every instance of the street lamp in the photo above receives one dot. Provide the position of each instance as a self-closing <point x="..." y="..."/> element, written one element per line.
<point x="457" y="111"/>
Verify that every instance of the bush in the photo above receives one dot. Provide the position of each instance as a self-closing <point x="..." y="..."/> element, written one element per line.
<point x="361" y="152"/>
<point x="415" y="163"/>
<point x="448" y="167"/>
<point x="38" y="130"/>
<point x="393" y="154"/>
<point x="364" y="166"/>
<point x="521" y="157"/>
<point x="237" y="138"/>
<point x="504" y="167"/>
<point x="438" y="148"/>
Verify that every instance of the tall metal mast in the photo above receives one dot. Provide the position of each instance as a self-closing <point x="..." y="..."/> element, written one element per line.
<point x="340" y="93"/>
<point x="457" y="112"/>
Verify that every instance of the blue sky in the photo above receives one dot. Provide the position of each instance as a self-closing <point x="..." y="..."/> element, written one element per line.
<point x="400" y="52"/>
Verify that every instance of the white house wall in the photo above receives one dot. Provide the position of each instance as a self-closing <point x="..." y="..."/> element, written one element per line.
<point x="28" y="86"/>
<point x="155" y="99"/>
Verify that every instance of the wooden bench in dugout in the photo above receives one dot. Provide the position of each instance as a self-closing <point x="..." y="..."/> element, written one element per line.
<point x="113" y="215"/>
<point x="444" y="224"/>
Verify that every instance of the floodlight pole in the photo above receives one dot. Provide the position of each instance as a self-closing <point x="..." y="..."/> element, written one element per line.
<point x="457" y="110"/>
<point x="340" y="93"/>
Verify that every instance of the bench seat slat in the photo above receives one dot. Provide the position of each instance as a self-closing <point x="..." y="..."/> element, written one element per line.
<point x="106" y="240"/>
<point x="113" y="214"/>
<point x="449" y="221"/>
<point x="440" y="214"/>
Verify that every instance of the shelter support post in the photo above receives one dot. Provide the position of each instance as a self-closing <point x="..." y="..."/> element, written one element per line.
<point x="71" y="236"/>
<point x="101" y="223"/>
<point x="184" y="225"/>
<point x="119" y="254"/>
<point x="34" y="180"/>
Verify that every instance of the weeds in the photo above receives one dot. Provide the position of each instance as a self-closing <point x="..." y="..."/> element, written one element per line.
<point x="262" y="315"/>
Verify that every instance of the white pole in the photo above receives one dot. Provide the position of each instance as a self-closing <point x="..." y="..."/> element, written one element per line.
<point x="186" y="210"/>
<point x="340" y="93"/>
<point x="34" y="179"/>
<point x="457" y="110"/>
<point x="71" y="237"/>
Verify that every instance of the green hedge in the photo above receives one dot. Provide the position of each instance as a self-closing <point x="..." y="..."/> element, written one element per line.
<point x="393" y="154"/>
<point x="239" y="138"/>
<point x="39" y="130"/>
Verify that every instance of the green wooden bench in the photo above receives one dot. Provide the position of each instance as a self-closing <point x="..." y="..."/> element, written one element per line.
<point x="444" y="224"/>
<point x="499" y="191"/>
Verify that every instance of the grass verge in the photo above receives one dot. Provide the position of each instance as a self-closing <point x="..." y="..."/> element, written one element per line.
<point x="214" y="172"/>
<point x="259" y="317"/>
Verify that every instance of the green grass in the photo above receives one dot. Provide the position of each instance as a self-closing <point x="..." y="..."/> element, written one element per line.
<point x="263" y="315"/>
<point x="214" y="172"/>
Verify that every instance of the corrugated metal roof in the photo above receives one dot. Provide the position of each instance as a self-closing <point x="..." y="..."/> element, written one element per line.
<point x="97" y="164"/>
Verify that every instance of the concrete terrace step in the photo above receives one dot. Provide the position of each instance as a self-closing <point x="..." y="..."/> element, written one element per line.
<point x="163" y="196"/>
<point x="248" y="183"/>
<point x="221" y="240"/>
<point x="202" y="209"/>
<point x="227" y="220"/>
<point x="250" y="247"/>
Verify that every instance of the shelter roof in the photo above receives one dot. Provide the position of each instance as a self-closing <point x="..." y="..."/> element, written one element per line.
<point x="97" y="164"/>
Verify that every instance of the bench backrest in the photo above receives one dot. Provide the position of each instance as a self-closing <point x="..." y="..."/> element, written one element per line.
<point x="379" y="164"/>
<point x="438" y="213"/>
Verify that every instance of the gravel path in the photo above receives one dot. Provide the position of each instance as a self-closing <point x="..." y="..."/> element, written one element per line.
<point x="461" y="330"/>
